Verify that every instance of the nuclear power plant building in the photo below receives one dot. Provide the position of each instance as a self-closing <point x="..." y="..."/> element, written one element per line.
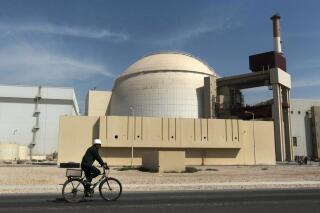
<point x="159" y="104"/>
<point x="165" y="110"/>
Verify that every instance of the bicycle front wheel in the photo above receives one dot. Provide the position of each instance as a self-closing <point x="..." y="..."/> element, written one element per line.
<point x="73" y="191"/>
<point x="110" y="189"/>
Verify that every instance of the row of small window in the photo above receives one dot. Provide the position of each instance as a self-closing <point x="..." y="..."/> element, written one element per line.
<point x="299" y="112"/>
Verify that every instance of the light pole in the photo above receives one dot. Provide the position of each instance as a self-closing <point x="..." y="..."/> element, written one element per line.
<point x="253" y="135"/>
<point x="132" y="114"/>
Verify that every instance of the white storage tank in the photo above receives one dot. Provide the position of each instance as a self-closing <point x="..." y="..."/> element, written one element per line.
<point x="23" y="153"/>
<point x="9" y="152"/>
<point x="168" y="84"/>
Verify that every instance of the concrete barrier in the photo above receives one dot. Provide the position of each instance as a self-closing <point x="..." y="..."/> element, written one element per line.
<point x="164" y="161"/>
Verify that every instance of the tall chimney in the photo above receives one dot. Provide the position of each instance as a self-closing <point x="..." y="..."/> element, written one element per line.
<point x="276" y="32"/>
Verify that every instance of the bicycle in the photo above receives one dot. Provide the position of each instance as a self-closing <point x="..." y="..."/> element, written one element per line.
<point x="74" y="189"/>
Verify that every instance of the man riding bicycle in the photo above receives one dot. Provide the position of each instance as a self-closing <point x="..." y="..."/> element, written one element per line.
<point x="90" y="156"/>
<point x="75" y="188"/>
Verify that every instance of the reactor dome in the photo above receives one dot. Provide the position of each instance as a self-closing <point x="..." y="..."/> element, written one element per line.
<point x="168" y="84"/>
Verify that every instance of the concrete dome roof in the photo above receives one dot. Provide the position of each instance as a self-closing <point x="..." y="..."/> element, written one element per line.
<point x="169" y="61"/>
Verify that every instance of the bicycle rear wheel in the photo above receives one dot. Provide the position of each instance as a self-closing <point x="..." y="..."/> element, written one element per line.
<point x="73" y="190"/>
<point x="110" y="189"/>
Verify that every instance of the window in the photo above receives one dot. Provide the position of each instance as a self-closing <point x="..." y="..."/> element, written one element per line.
<point x="294" y="141"/>
<point x="299" y="112"/>
<point x="291" y="112"/>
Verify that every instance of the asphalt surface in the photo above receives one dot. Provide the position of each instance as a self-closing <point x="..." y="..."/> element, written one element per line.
<point x="241" y="201"/>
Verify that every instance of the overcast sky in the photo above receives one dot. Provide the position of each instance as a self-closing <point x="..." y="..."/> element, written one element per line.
<point x="86" y="44"/>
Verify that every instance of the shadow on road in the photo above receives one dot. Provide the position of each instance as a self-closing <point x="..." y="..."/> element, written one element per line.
<point x="61" y="200"/>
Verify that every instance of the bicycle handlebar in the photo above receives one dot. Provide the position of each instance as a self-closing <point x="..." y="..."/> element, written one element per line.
<point x="104" y="171"/>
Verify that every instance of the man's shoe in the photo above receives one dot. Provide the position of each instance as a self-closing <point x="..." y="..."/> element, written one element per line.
<point x="88" y="192"/>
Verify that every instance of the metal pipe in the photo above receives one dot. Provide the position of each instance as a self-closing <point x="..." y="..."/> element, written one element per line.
<point x="276" y="32"/>
<point x="133" y="130"/>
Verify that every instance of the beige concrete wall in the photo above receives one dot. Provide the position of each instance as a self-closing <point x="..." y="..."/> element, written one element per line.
<point x="75" y="136"/>
<point x="264" y="142"/>
<point x="124" y="131"/>
<point x="258" y="148"/>
<point x="97" y="102"/>
<point x="205" y="141"/>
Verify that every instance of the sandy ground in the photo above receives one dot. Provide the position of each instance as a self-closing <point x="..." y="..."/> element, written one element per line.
<point x="46" y="179"/>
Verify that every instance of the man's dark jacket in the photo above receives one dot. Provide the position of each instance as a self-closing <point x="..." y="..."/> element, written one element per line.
<point x="91" y="155"/>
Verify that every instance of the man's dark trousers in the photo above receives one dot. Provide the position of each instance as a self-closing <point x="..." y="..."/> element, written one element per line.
<point x="90" y="172"/>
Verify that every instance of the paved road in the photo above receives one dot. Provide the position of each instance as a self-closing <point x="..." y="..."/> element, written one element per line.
<point x="269" y="201"/>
